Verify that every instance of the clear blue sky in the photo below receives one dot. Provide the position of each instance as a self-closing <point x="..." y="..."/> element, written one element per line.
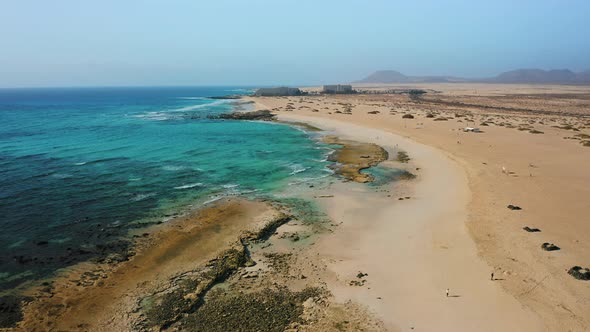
<point x="222" y="42"/>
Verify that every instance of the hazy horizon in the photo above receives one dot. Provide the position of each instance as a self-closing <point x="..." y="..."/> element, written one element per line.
<point x="229" y="43"/>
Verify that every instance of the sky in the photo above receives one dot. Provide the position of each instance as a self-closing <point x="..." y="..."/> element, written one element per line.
<point x="298" y="42"/>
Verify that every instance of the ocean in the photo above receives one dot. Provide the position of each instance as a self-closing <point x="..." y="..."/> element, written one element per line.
<point x="79" y="167"/>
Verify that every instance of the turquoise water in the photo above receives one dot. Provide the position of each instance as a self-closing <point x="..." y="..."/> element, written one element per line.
<point x="383" y="175"/>
<point x="79" y="167"/>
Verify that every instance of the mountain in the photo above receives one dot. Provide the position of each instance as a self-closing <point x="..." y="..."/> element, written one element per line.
<point x="536" y="76"/>
<point x="385" y="76"/>
<point x="583" y="77"/>
<point x="526" y="76"/>
<point x="392" y="76"/>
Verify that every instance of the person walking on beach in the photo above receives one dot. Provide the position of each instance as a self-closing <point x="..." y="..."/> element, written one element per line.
<point x="492" y="277"/>
<point x="447" y="292"/>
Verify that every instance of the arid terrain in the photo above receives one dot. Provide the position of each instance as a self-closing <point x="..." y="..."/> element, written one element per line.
<point x="526" y="168"/>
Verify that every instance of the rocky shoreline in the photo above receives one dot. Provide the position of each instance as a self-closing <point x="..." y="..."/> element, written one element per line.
<point x="162" y="285"/>
<point x="243" y="277"/>
<point x="261" y="115"/>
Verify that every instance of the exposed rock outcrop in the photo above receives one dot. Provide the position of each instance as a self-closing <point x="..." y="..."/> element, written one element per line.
<point x="261" y="115"/>
<point x="353" y="157"/>
<point x="579" y="273"/>
<point x="549" y="247"/>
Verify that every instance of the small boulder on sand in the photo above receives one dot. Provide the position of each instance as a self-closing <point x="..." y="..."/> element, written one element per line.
<point x="579" y="273"/>
<point x="531" y="230"/>
<point x="549" y="247"/>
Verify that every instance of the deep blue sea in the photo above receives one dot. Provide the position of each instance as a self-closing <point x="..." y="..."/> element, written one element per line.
<point x="77" y="162"/>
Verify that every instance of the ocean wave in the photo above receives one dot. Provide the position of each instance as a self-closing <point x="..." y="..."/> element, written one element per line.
<point x="213" y="199"/>
<point x="230" y="186"/>
<point x="141" y="197"/>
<point x="296" y="169"/>
<point x="331" y="171"/>
<point x="229" y="193"/>
<point x="61" y="175"/>
<point x="173" y="168"/>
<point x="188" y="186"/>
<point x="305" y="180"/>
<point x="173" y="114"/>
<point x="196" y="107"/>
<point x="192" y="98"/>
<point x="248" y="191"/>
<point x="156" y="116"/>
<point x="103" y="160"/>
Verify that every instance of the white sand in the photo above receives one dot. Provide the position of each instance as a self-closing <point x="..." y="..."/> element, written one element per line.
<point x="412" y="250"/>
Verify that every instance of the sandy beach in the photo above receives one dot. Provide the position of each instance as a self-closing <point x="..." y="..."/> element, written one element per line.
<point x="429" y="244"/>
<point x="457" y="229"/>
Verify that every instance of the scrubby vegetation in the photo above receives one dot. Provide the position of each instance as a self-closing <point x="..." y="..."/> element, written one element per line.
<point x="403" y="157"/>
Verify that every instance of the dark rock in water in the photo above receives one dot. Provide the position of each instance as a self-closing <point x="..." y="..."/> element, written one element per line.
<point x="407" y="116"/>
<point x="531" y="230"/>
<point x="265" y="115"/>
<point x="514" y="207"/>
<point x="549" y="246"/>
<point x="579" y="273"/>
<point x="10" y="311"/>
<point x="42" y="243"/>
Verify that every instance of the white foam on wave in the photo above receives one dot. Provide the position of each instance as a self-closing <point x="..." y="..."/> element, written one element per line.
<point x="305" y="180"/>
<point x="173" y="168"/>
<point x="229" y="193"/>
<point x="188" y="186"/>
<point x="230" y="186"/>
<point x="157" y="116"/>
<point x="213" y="199"/>
<point x="196" y="107"/>
<point x="141" y="197"/>
<point x="170" y="113"/>
<point x="297" y="169"/>
<point x="61" y="175"/>
<point x="192" y="98"/>
<point x="80" y="164"/>
<point x="329" y="170"/>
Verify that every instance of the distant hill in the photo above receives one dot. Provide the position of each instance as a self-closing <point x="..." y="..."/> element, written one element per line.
<point x="527" y="76"/>
<point x="583" y="76"/>
<point x="392" y="76"/>
<point x="536" y="76"/>
<point x="385" y="76"/>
